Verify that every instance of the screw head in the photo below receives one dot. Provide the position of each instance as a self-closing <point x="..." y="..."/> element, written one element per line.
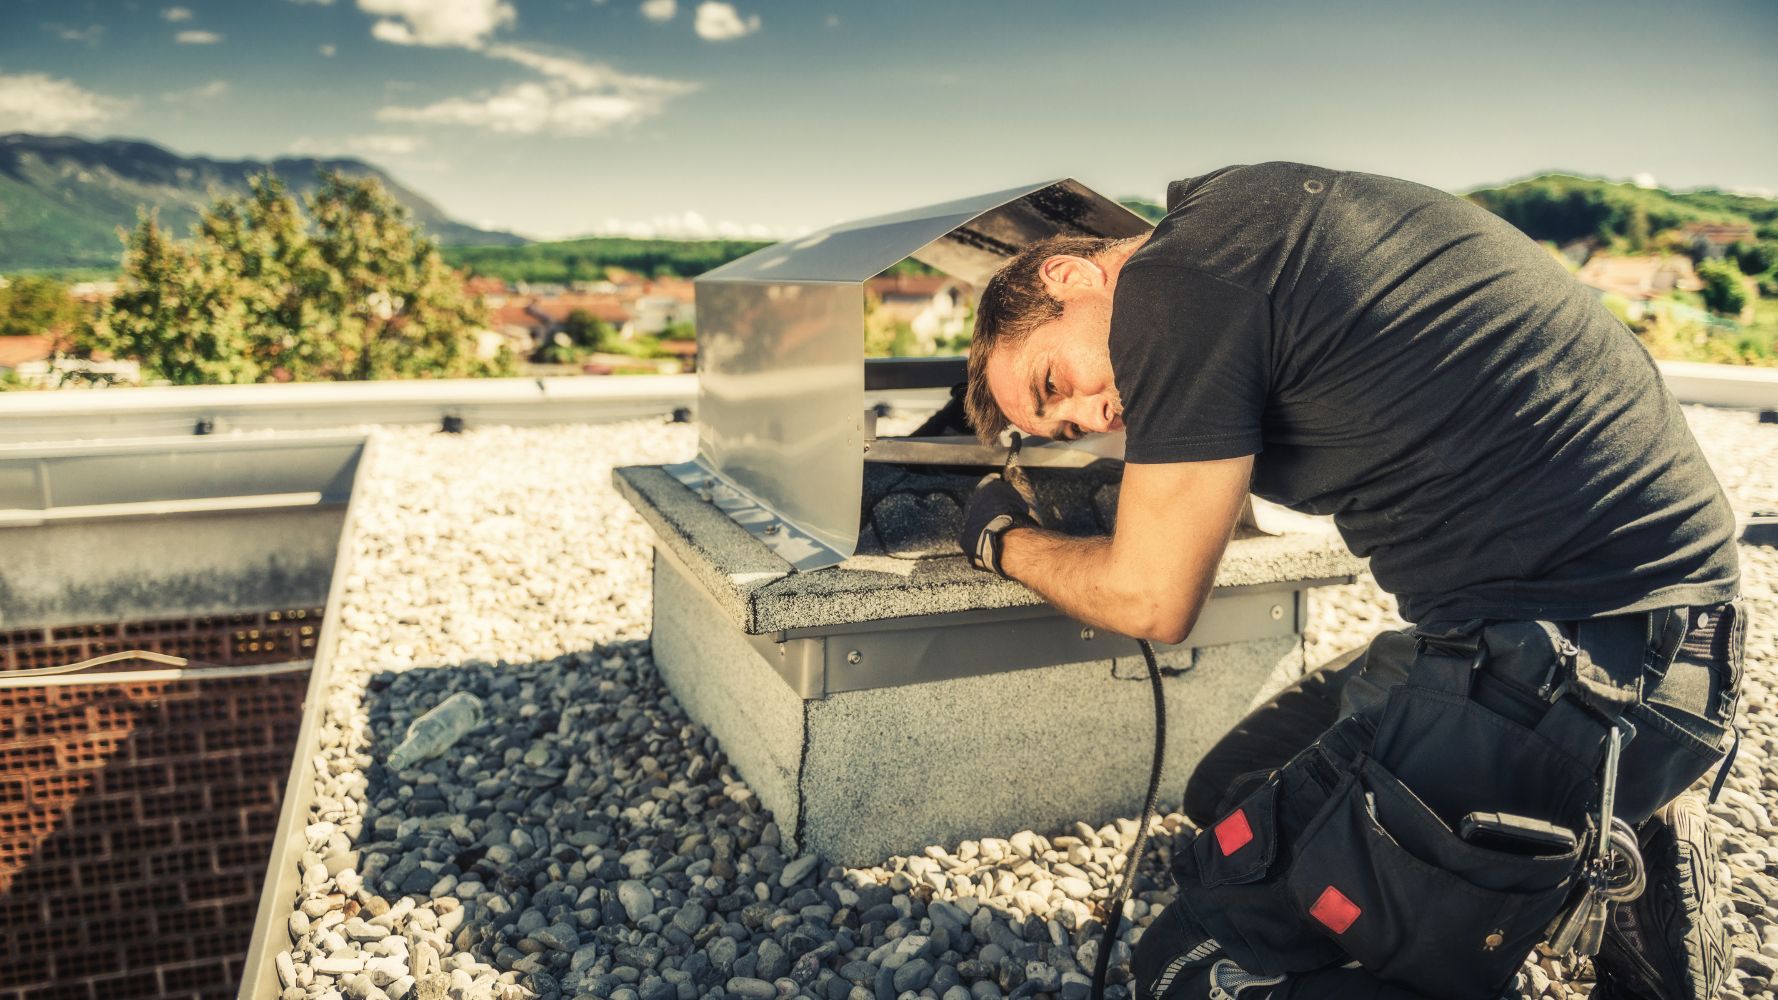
<point x="1277" y="612"/>
<point x="854" y="656"/>
<point x="773" y="528"/>
<point x="1086" y="632"/>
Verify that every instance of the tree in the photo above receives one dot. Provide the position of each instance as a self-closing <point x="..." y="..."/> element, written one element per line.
<point x="256" y="295"/>
<point x="1755" y="258"/>
<point x="400" y="312"/>
<point x="174" y="314"/>
<point x="587" y="330"/>
<point x="33" y="305"/>
<point x="1725" y="290"/>
<point x="1636" y="231"/>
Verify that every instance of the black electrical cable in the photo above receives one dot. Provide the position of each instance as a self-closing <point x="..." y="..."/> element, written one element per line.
<point x="1115" y="918"/>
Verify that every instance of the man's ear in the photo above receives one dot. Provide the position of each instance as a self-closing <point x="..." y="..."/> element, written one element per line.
<point x="1066" y="274"/>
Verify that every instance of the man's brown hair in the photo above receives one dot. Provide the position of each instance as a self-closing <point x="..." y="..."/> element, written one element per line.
<point x="1014" y="303"/>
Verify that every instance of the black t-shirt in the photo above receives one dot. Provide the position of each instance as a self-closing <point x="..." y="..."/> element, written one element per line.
<point x="1475" y="421"/>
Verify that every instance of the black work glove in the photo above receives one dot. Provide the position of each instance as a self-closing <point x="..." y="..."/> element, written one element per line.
<point x="995" y="509"/>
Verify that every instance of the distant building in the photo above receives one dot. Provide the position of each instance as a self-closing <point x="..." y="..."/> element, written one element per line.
<point x="486" y="287"/>
<point x="1641" y="278"/>
<point x="662" y="303"/>
<point x="29" y="350"/>
<point x="39" y="361"/>
<point x="933" y="305"/>
<point x="685" y="350"/>
<point x="1713" y="239"/>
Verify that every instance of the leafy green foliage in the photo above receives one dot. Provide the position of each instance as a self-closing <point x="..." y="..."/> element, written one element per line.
<point x="37" y="305"/>
<point x="1756" y="258"/>
<point x="1563" y="208"/>
<point x="1152" y="211"/>
<point x="1725" y="290"/>
<point x="586" y="259"/>
<point x="587" y="330"/>
<point x="256" y="295"/>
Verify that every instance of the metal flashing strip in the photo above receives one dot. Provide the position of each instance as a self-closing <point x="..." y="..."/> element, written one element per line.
<point x="818" y="662"/>
<point x="221" y="409"/>
<point x="14" y="518"/>
<point x="800" y="549"/>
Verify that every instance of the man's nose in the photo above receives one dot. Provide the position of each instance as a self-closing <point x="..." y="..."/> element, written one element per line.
<point x="1090" y="413"/>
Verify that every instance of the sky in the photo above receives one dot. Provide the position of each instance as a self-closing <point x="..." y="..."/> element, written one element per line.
<point x="555" y="118"/>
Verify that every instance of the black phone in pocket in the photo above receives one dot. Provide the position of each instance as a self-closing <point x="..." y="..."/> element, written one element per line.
<point x="1516" y="834"/>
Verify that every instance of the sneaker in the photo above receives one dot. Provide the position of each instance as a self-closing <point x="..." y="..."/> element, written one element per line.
<point x="1169" y="955"/>
<point x="1669" y="943"/>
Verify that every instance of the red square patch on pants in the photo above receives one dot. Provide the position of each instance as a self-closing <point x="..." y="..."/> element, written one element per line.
<point x="1234" y="832"/>
<point x="1334" y="910"/>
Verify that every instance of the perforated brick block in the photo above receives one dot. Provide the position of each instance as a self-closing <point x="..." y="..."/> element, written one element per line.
<point x="136" y="817"/>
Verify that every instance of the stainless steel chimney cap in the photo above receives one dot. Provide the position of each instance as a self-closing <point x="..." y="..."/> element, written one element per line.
<point x="781" y="366"/>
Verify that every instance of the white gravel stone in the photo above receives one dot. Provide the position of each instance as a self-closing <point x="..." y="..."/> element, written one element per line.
<point x="501" y="561"/>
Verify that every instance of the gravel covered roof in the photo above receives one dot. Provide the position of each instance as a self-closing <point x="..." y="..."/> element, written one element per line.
<point x="590" y="840"/>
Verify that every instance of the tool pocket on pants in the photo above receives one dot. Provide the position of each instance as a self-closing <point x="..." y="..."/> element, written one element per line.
<point x="1459" y="757"/>
<point x="1378" y="873"/>
<point x="1230" y="879"/>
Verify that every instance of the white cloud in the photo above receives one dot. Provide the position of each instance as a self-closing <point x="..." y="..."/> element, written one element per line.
<point x="687" y="225"/>
<point x="176" y="14"/>
<point x="1645" y="181"/>
<point x="193" y="95"/>
<point x="659" y="10"/>
<point x="720" y="22"/>
<point x="197" y="38"/>
<point x="577" y="98"/>
<point x="88" y="35"/>
<point x="528" y="109"/>
<point x="582" y="75"/>
<point x="328" y="51"/>
<point x="438" y="23"/>
<point x="37" y="102"/>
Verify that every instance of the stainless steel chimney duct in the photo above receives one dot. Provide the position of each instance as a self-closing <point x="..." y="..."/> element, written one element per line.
<point x="782" y="373"/>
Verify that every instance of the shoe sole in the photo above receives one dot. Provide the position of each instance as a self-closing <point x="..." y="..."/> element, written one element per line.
<point x="1681" y="841"/>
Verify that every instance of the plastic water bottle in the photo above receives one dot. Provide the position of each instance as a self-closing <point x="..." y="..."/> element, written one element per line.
<point x="435" y="732"/>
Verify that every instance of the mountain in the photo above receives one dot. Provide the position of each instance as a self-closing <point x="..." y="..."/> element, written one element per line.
<point x="62" y="198"/>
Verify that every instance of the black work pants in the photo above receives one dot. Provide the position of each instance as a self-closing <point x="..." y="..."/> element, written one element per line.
<point x="1682" y="721"/>
<point x="1687" y="712"/>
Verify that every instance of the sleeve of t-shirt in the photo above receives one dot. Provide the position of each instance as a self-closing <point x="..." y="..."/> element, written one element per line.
<point x="1190" y="354"/>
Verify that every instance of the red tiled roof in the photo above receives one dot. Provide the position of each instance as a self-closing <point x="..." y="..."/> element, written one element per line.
<point x="605" y="308"/>
<point x="485" y="286"/>
<point x="679" y="289"/>
<point x="514" y="314"/>
<point x="1719" y="232"/>
<point x="15" y="351"/>
<point x="923" y="285"/>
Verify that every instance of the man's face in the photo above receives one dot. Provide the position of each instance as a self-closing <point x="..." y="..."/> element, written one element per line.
<point x="1057" y="381"/>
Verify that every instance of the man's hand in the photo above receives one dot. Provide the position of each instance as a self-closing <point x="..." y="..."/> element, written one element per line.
<point x="995" y="509"/>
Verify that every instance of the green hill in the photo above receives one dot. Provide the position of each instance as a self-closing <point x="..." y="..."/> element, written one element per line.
<point x="586" y="259"/>
<point x="62" y="198"/>
<point x="1560" y="207"/>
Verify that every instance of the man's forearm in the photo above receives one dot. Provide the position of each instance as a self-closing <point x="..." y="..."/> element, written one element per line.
<point x="1077" y="575"/>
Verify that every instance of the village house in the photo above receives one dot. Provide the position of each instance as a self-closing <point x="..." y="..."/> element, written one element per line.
<point x="38" y="360"/>
<point x="933" y="305"/>
<point x="1713" y="239"/>
<point x="1638" y="279"/>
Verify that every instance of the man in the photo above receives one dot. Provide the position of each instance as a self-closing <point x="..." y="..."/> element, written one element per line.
<point x="1501" y="449"/>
